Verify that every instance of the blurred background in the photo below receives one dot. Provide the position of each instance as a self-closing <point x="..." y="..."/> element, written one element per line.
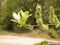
<point x="7" y="7"/>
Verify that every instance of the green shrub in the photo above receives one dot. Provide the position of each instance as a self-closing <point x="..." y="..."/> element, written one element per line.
<point x="43" y="43"/>
<point x="21" y="19"/>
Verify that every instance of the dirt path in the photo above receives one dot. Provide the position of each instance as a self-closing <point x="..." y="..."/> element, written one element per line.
<point x="17" y="40"/>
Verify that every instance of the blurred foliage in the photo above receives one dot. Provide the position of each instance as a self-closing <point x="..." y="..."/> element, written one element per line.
<point x="21" y="19"/>
<point x="43" y="43"/>
<point x="53" y="33"/>
<point x="39" y="19"/>
<point x="53" y="19"/>
<point x="9" y="6"/>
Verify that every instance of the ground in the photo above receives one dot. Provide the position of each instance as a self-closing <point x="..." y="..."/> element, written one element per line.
<point x="21" y="40"/>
